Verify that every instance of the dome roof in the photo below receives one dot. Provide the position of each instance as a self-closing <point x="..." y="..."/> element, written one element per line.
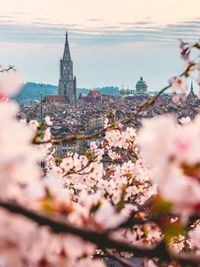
<point x="141" y="82"/>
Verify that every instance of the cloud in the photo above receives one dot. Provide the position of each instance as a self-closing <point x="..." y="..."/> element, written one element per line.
<point x="94" y="20"/>
<point x="43" y="31"/>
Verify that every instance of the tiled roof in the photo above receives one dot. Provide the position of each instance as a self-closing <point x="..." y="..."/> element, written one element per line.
<point x="55" y="98"/>
<point x="94" y="93"/>
<point x="82" y="96"/>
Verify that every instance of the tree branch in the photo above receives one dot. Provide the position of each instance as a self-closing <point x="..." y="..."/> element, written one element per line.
<point x="103" y="239"/>
<point x="10" y="67"/>
<point x="122" y="260"/>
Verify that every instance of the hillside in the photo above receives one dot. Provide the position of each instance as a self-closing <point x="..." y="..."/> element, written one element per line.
<point x="31" y="91"/>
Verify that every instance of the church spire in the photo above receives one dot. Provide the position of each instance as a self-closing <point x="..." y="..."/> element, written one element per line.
<point x="67" y="81"/>
<point x="191" y="94"/>
<point x="66" y="55"/>
<point x="192" y="86"/>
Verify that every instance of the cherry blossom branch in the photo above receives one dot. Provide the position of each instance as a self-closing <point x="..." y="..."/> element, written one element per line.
<point x="103" y="239"/>
<point x="10" y="67"/>
<point x="79" y="172"/>
<point x="75" y="138"/>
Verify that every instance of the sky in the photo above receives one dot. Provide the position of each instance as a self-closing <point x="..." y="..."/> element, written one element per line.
<point x="112" y="42"/>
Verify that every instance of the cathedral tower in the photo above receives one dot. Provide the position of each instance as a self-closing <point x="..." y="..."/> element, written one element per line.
<point x="67" y="82"/>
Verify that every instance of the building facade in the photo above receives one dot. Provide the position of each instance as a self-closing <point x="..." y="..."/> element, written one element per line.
<point x="67" y="81"/>
<point x="141" y="87"/>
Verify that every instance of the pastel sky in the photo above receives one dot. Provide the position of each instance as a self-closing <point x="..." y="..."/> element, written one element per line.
<point x="112" y="42"/>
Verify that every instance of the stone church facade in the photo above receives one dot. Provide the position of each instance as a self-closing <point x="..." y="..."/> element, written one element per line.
<point x="67" y="81"/>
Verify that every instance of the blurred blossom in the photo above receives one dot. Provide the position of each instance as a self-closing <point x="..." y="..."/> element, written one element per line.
<point x="185" y="120"/>
<point x="195" y="236"/>
<point x="10" y="83"/>
<point x="177" y="83"/>
<point x="34" y="124"/>
<point x="107" y="217"/>
<point x="165" y="146"/>
<point x="3" y="98"/>
<point x="18" y="157"/>
<point x="48" y="121"/>
<point x="175" y="98"/>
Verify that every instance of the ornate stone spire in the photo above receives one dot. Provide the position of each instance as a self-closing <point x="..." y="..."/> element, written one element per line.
<point x="67" y="81"/>
<point x="66" y="54"/>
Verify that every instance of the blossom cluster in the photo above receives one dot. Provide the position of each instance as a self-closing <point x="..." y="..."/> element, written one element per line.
<point x="178" y="83"/>
<point x="80" y="189"/>
<point x="140" y="187"/>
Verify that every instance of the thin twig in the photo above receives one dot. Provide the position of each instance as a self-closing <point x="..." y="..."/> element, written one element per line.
<point x="11" y="67"/>
<point x="80" y="170"/>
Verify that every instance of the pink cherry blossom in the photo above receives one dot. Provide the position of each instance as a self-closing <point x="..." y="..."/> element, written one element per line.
<point x="177" y="83"/>
<point x="195" y="236"/>
<point x="10" y="83"/>
<point x="175" y="98"/>
<point x="3" y="98"/>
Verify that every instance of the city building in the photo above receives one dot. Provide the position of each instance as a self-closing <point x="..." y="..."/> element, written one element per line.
<point x="94" y="97"/>
<point x="141" y="87"/>
<point x="125" y="92"/>
<point x="67" y="81"/>
<point x="53" y="99"/>
<point x="88" y="117"/>
<point x="94" y="122"/>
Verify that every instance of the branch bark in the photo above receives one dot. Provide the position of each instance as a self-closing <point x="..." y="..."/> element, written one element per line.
<point x="103" y="239"/>
<point x="122" y="260"/>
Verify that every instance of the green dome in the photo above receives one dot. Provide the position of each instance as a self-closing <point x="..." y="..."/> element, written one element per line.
<point x="141" y="82"/>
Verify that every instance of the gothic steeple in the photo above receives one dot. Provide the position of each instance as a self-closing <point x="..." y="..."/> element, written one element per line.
<point x="67" y="82"/>
<point x="66" y="54"/>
